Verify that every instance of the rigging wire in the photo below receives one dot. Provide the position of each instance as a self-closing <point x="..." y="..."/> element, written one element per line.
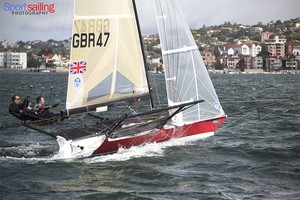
<point x="254" y="101"/>
<point x="64" y="21"/>
<point x="248" y="112"/>
<point x="275" y="110"/>
<point x="155" y="87"/>
<point x="42" y="88"/>
<point x="51" y="88"/>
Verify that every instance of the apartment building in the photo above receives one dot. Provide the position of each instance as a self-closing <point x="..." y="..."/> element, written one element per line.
<point x="14" y="60"/>
<point x="276" y="47"/>
<point x="257" y="62"/>
<point x="231" y="62"/>
<point x="253" y="62"/>
<point x="273" y="63"/>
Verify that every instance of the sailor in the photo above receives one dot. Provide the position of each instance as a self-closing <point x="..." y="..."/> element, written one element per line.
<point x="17" y="109"/>
<point x="40" y="106"/>
<point x="41" y="109"/>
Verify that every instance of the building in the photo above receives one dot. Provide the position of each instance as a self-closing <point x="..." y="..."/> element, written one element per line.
<point x="231" y="62"/>
<point x="13" y="60"/>
<point x="256" y="30"/>
<point x="257" y="62"/>
<point x="292" y="47"/>
<point x="273" y="63"/>
<point x="276" y="47"/>
<point x="247" y="49"/>
<point x="253" y="62"/>
<point x="229" y="49"/>
<point x="55" y="59"/>
<point x="291" y="64"/>
<point x="254" y="50"/>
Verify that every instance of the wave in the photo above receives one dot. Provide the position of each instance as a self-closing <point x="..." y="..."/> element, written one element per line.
<point x="25" y="153"/>
<point x="34" y="153"/>
<point x="146" y="150"/>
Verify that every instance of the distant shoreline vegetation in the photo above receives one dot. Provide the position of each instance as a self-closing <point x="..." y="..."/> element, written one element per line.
<point x="222" y="47"/>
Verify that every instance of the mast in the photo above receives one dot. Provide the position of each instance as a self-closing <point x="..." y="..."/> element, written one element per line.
<point x="142" y="50"/>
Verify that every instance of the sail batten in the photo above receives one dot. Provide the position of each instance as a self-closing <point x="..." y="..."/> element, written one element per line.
<point x="181" y="50"/>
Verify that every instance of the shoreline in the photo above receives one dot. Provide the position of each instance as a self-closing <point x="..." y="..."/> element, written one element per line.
<point x="226" y="71"/>
<point x="58" y="70"/>
<point x="252" y="71"/>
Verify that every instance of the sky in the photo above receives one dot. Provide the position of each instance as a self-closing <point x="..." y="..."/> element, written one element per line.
<point x="58" y="25"/>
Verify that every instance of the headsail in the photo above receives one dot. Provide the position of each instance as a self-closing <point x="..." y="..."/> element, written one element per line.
<point x="106" y="57"/>
<point x="186" y="76"/>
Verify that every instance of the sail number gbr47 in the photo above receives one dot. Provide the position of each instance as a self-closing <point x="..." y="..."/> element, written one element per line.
<point x="90" y="33"/>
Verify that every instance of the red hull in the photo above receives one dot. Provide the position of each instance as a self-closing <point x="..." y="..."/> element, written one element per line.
<point x="112" y="145"/>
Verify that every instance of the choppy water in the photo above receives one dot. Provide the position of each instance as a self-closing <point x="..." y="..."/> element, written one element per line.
<point x="248" y="158"/>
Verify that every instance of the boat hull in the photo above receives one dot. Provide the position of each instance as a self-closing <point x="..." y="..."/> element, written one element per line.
<point x="98" y="145"/>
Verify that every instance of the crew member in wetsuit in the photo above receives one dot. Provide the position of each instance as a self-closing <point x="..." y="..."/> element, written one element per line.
<point x="17" y="109"/>
<point x="41" y="109"/>
<point x="40" y="106"/>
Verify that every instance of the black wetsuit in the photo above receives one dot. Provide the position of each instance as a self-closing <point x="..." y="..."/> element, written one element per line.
<point x="17" y="110"/>
<point x="45" y="113"/>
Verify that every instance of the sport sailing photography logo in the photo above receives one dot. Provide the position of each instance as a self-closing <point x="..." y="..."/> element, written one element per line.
<point x="39" y="8"/>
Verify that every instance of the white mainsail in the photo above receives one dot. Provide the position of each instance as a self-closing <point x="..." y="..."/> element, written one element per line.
<point x="186" y="76"/>
<point x="106" y="57"/>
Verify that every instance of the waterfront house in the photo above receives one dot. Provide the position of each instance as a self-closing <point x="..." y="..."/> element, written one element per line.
<point x="273" y="63"/>
<point x="55" y="59"/>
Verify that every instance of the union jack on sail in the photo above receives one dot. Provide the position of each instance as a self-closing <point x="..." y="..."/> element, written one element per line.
<point x="78" y="67"/>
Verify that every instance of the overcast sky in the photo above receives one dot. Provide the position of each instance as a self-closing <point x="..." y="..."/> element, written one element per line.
<point x="198" y="13"/>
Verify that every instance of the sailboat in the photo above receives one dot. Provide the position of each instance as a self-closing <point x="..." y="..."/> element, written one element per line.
<point x="108" y="69"/>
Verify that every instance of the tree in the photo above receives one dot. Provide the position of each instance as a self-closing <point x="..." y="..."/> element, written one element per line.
<point x="32" y="63"/>
<point x="256" y="37"/>
<point x="45" y="52"/>
<point x="218" y="65"/>
<point x="278" y="22"/>
<point x="217" y="52"/>
<point x="241" y="63"/>
<point x="264" y="52"/>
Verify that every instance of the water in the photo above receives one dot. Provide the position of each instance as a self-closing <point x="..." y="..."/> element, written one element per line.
<point x="248" y="158"/>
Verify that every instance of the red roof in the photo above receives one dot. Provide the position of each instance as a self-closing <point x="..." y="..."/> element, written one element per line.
<point x="50" y="56"/>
